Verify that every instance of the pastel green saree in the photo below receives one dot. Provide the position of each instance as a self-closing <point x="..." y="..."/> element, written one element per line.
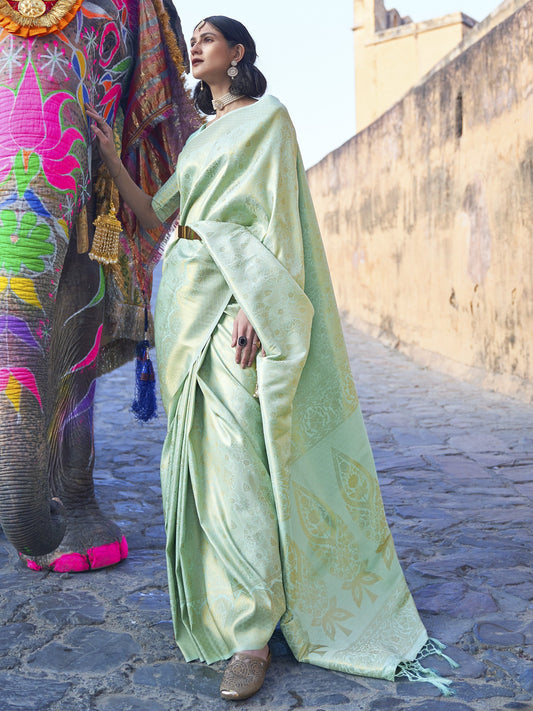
<point x="272" y="504"/>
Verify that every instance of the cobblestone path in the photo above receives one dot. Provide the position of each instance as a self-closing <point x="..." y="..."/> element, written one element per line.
<point x="456" y="470"/>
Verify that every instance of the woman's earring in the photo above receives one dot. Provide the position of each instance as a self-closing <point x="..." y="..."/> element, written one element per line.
<point x="201" y="85"/>
<point x="233" y="71"/>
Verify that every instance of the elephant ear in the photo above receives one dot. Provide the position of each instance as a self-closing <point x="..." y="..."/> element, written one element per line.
<point x="159" y="116"/>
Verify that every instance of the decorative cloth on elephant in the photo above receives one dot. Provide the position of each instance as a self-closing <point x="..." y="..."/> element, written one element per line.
<point x="158" y="118"/>
<point x="272" y="505"/>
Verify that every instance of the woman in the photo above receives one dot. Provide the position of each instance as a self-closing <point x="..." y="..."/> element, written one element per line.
<point x="271" y="500"/>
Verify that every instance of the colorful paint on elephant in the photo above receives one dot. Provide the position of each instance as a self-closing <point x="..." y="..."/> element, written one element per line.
<point x="53" y="299"/>
<point x="91" y="64"/>
<point x="42" y="153"/>
<point x="12" y="380"/>
<point x="45" y="178"/>
<point x="32" y="129"/>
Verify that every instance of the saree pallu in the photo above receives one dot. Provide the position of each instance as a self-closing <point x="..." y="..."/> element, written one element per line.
<point x="272" y="506"/>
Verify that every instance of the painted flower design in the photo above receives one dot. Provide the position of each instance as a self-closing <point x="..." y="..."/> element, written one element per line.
<point x="24" y="243"/>
<point x="31" y="123"/>
<point x="12" y="380"/>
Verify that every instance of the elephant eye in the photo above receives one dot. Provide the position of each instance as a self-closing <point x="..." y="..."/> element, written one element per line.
<point x="109" y="44"/>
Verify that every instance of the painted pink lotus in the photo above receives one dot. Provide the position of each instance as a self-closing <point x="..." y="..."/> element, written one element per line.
<point x="31" y="122"/>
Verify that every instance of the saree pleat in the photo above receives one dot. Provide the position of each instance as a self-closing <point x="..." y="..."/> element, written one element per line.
<point x="222" y="539"/>
<point x="272" y="508"/>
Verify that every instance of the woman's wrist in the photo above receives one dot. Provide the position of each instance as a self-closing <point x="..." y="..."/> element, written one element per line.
<point x="115" y="171"/>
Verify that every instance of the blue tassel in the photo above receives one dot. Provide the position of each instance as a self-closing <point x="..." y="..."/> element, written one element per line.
<point x="144" y="405"/>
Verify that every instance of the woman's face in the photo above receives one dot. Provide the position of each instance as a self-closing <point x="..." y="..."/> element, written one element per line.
<point x="211" y="55"/>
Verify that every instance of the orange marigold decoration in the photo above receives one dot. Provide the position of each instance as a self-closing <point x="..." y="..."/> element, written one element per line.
<point x="31" y="18"/>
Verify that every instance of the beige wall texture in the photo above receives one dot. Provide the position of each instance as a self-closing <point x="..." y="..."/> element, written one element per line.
<point x="392" y="53"/>
<point x="427" y="215"/>
<point x="497" y="16"/>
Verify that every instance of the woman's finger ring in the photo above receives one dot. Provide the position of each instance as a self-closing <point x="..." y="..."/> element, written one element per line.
<point x="242" y="341"/>
<point x="257" y="344"/>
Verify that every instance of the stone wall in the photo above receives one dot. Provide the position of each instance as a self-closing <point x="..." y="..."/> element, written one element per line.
<point x="427" y="215"/>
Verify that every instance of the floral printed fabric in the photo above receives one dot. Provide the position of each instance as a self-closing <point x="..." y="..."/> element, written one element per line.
<point x="242" y="187"/>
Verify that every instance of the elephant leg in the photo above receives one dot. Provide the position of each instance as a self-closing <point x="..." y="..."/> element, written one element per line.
<point x="91" y="540"/>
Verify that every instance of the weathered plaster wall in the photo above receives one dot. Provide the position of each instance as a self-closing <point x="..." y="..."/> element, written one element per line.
<point x="427" y="215"/>
<point x="393" y="53"/>
<point x="496" y="17"/>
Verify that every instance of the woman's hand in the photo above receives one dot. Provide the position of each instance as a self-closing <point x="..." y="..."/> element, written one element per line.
<point x="245" y="355"/>
<point x="137" y="199"/>
<point x="106" y="142"/>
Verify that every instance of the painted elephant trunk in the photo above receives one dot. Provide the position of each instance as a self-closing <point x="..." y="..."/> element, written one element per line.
<point x="31" y="519"/>
<point x="34" y="528"/>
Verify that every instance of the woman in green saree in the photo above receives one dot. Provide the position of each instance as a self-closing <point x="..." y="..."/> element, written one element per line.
<point x="272" y="505"/>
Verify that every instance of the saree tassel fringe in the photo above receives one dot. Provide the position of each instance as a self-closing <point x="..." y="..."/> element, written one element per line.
<point x="414" y="671"/>
<point x="144" y="405"/>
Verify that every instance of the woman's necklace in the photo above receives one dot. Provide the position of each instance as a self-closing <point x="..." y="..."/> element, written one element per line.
<point x="218" y="104"/>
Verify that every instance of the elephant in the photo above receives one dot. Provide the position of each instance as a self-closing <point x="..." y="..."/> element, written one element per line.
<point x="65" y="318"/>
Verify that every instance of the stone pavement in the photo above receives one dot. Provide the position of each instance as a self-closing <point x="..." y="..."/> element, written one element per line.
<point x="456" y="470"/>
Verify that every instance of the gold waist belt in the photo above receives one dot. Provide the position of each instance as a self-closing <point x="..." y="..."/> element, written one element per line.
<point x="185" y="232"/>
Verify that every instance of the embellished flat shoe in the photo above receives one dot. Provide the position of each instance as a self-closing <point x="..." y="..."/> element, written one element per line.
<point x="244" y="676"/>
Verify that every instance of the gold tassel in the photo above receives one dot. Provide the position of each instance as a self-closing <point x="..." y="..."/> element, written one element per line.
<point x="106" y="243"/>
<point x="82" y="231"/>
